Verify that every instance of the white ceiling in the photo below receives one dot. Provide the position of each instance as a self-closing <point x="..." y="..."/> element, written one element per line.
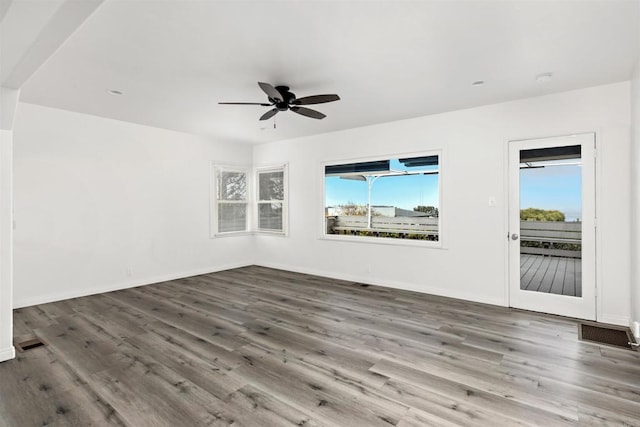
<point x="388" y="60"/>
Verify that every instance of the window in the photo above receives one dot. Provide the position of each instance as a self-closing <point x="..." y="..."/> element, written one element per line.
<point x="233" y="208"/>
<point x="395" y="198"/>
<point x="271" y="204"/>
<point x="231" y="200"/>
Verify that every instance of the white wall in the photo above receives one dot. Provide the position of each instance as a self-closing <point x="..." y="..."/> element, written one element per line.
<point x="102" y="204"/>
<point x="472" y="264"/>
<point x="6" y="271"/>
<point x="8" y="103"/>
<point x="635" y="200"/>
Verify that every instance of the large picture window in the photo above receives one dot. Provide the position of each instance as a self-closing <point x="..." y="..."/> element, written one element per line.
<point x="395" y="198"/>
<point x="271" y="203"/>
<point x="231" y="200"/>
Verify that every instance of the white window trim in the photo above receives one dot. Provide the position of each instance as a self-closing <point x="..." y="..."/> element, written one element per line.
<point x="213" y="216"/>
<point x="285" y="202"/>
<point x="440" y="244"/>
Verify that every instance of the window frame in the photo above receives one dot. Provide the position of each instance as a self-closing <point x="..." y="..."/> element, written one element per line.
<point x="442" y="232"/>
<point x="216" y="169"/>
<point x="283" y="167"/>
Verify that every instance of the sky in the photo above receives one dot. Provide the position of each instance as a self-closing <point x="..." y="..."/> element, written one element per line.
<point x="551" y="187"/>
<point x="404" y="192"/>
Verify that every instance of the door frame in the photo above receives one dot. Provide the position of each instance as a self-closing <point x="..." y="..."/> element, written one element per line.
<point x="564" y="306"/>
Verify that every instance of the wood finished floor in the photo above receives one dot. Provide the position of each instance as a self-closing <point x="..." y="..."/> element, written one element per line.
<point x="262" y="347"/>
<point x="551" y="274"/>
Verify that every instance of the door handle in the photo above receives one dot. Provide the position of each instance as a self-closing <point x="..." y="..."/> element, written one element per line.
<point x="514" y="236"/>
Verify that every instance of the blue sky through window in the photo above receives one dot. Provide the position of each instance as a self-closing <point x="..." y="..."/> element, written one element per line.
<point x="404" y="192"/>
<point x="553" y="187"/>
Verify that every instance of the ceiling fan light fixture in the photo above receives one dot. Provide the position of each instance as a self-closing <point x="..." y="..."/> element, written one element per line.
<point x="282" y="99"/>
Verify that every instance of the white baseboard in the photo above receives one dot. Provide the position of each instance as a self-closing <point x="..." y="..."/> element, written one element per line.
<point x="635" y="329"/>
<point x="59" y="296"/>
<point x="7" y="354"/>
<point x="612" y="319"/>
<point x="431" y="290"/>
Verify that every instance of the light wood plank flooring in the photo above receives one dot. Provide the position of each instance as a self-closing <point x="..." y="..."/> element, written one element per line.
<point x="261" y="347"/>
<point x="551" y="274"/>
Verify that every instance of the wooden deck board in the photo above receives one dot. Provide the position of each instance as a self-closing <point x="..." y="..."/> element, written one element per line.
<point x="556" y="275"/>
<point x="263" y="347"/>
<point x="549" y="275"/>
<point x="557" y="287"/>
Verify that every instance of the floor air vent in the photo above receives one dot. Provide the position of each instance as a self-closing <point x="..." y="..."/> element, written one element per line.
<point x="617" y="336"/>
<point x="29" y="344"/>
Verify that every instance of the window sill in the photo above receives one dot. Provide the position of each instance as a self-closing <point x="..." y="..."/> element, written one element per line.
<point x="271" y="233"/>
<point x="384" y="241"/>
<point x="231" y="234"/>
<point x="250" y="233"/>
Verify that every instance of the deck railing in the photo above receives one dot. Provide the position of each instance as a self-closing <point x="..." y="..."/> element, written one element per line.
<point x="537" y="237"/>
<point x="418" y="227"/>
<point x="551" y="238"/>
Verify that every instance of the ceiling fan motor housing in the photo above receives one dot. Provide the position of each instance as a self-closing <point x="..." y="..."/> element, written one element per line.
<point x="287" y="97"/>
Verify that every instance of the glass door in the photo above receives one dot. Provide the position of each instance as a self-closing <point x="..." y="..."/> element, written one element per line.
<point x="552" y="225"/>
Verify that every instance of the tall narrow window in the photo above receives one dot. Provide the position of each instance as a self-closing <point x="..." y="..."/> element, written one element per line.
<point x="271" y="199"/>
<point x="231" y="200"/>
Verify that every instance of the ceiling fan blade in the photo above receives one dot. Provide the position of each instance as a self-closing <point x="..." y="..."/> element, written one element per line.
<point x="308" y="112"/>
<point x="269" y="114"/>
<point x="245" y="103"/>
<point x="271" y="91"/>
<point x="316" y="99"/>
